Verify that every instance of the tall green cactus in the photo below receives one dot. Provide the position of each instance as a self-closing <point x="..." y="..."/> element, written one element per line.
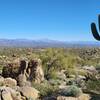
<point x="94" y="29"/>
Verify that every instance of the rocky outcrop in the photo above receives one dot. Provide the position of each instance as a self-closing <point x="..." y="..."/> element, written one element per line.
<point x="24" y="70"/>
<point x="11" y="69"/>
<point x="81" y="97"/>
<point x="10" y="82"/>
<point x="18" y="93"/>
<point x="17" y="77"/>
<point x="91" y="69"/>
<point x="21" y="79"/>
<point x="35" y="71"/>
<point x="1" y="81"/>
<point x="91" y="73"/>
<point x="7" y="93"/>
<point x="29" y="92"/>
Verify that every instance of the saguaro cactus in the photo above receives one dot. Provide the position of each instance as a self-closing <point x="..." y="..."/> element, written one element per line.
<point x="94" y="30"/>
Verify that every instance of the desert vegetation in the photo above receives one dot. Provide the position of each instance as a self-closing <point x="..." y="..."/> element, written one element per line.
<point x="51" y="73"/>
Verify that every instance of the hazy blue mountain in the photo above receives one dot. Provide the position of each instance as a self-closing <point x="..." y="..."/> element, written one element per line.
<point x="43" y="43"/>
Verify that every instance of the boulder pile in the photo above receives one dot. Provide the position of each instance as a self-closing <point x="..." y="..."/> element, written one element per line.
<point x="24" y="70"/>
<point x="9" y="90"/>
<point x="16" y="79"/>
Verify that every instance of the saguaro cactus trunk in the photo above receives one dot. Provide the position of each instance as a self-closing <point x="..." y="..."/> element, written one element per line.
<point x="94" y="30"/>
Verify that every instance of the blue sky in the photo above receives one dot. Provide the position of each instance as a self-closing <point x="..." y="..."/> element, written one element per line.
<point x="67" y="20"/>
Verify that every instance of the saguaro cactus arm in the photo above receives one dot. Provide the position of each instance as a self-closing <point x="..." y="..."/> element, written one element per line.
<point x="94" y="29"/>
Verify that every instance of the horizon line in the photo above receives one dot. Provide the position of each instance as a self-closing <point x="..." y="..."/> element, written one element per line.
<point x="41" y="39"/>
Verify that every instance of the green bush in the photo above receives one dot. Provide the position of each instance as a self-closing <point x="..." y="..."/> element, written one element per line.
<point x="56" y="60"/>
<point x="72" y="91"/>
<point x="45" y="88"/>
<point x="71" y="71"/>
<point x="55" y="82"/>
<point x="52" y="74"/>
<point x="82" y="72"/>
<point x="93" y="85"/>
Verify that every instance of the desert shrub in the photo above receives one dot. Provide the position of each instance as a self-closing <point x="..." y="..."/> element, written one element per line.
<point x="72" y="91"/>
<point x="82" y="72"/>
<point x="9" y="71"/>
<point x="93" y="85"/>
<point x="55" y="82"/>
<point x="52" y="74"/>
<point x="33" y="56"/>
<point x="70" y="81"/>
<point x="1" y="67"/>
<point x="45" y="88"/>
<point x="70" y="71"/>
<point x="56" y="60"/>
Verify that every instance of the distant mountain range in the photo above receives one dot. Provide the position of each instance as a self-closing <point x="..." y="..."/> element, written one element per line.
<point x="44" y="43"/>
